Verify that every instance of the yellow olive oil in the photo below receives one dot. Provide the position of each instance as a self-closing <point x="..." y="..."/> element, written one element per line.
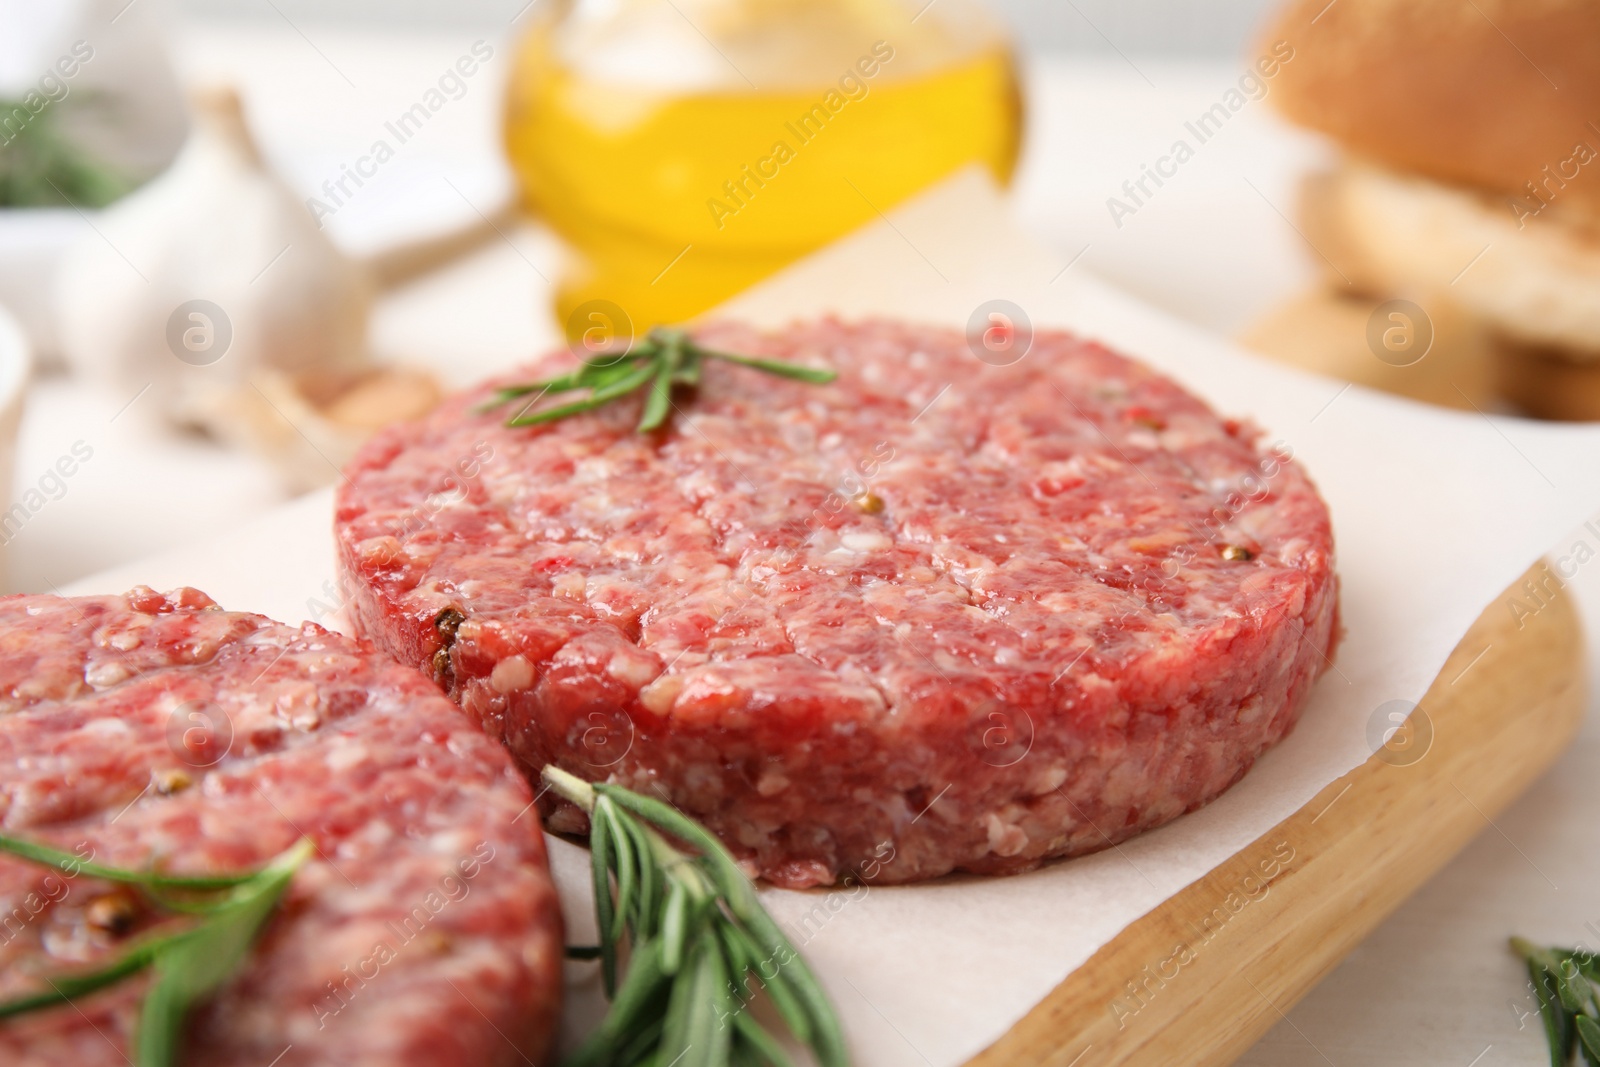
<point x="676" y="180"/>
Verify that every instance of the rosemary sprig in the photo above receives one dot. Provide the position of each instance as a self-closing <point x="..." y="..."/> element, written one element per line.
<point x="1566" y="984"/>
<point x="71" y="865"/>
<point x="186" y="966"/>
<point x="666" y="359"/>
<point x="696" y="930"/>
<point x="41" y="167"/>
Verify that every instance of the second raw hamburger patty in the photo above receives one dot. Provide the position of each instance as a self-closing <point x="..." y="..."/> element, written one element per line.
<point x="936" y="615"/>
<point x="156" y="731"/>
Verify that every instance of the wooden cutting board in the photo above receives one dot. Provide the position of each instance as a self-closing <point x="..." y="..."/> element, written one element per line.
<point x="1203" y="976"/>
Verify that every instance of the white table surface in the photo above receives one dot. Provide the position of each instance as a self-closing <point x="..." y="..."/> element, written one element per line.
<point x="1435" y="984"/>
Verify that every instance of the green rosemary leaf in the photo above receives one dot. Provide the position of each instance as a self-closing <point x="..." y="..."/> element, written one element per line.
<point x="187" y="901"/>
<point x="646" y="916"/>
<point x="160" y="1033"/>
<point x="665" y="358"/>
<point x="596" y="371"/>
<point x="197" y="962"/>
<point x="674" y="927"/>
<point x="676" y="1005"/>
<point x="626" y="383"/>
<point x="73" y="866"/>
<point x="827" y="1038"/>
<point x="188" y="965"/>
<point x="645" y="979"/>
<point x="601" y="365"/>
<point x="601" y="379"/>
<point x="600" y="864"/>
<point x="636" y="1005"/>
<point x="736" y="948"/>
<point x="1585" y="963"/>
<point x="510" y="392"/>
<point x="765" y="1047"/>
<point x="674" y="822"/>
<point x="583" y="952"/>
<point x="506" y="394"/>
<point x="555" y="414"/>
<point x="689" y="372"/>
<point x="658" y="405"/>
<point x="1589" y="1035"/>
<point x="641" y="1048"/>
<point x="814" y="375"/>
<point x="694" y="1034"/>
<point x="42" y="167"/>
<point x="1565" y="981"/>
<point x="1557" y="1024"/>
<point x="794" y="1014"/>
<point x="675" y="1022"/>
<point x="625" y="864"/>
<point x="529" y="417"/>
<point x="65" y="987"/>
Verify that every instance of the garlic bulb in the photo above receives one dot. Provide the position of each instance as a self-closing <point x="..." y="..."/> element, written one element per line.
<point x="207" y="277"/>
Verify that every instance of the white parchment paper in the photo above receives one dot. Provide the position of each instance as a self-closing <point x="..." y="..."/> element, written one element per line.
<point x="1435" y="513"/>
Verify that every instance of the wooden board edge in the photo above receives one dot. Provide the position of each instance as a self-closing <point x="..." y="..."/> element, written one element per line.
<point x="1201" y="978"/>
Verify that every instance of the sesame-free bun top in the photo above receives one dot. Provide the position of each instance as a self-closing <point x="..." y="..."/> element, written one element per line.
<point x="1479" y="92"/>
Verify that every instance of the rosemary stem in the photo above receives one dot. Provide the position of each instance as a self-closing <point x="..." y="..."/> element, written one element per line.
<point x="674" y="863"/>
<point x="569" y="787"/>
<point x="679" y="867"/>
<point x="669" y="857"/>
<point x="1536" y="954"/>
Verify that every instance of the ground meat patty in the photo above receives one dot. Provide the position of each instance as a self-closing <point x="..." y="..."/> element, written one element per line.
<point x="937" y="615"/>
<point x="153" y="729"/>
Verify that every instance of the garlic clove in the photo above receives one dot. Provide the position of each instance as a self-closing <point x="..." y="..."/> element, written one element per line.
<point x="378" y="399"/>
<point x="207" y="277"/>
<point x="309" y="425"/>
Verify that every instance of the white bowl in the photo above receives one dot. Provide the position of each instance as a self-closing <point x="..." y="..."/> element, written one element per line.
<point x="15" y="363"/>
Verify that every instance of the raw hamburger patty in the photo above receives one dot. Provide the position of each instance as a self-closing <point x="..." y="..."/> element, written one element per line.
<point x="160" y="730"/>
<point x="881" y="626"/>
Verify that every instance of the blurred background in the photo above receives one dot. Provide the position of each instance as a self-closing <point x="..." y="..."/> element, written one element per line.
<point x="238" y="235"/>
<point x="1213" y="28"/>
